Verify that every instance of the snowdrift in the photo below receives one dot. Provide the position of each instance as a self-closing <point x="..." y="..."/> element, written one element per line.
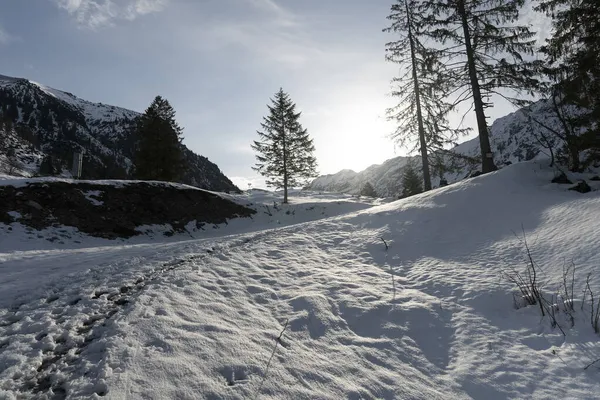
<point x="201" y="319"/>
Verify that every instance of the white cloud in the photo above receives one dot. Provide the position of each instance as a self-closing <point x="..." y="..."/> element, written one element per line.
<point x="143" y="7"/>
<point x="5" y="38"/>
<point x="273" y="34"/>
<point x="97" y="13"/>
<point x="277" y="14"/>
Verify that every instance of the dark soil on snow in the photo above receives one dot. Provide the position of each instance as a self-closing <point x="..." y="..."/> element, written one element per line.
<point x="113" y="211"/>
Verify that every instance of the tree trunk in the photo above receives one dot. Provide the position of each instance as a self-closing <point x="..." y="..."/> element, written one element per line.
<point x="424" y="155"/>
<point x="285" y="171"/>
<point x="573" y="156"/>
<point x="487" y="159"/>
<point x="570" y="138"/>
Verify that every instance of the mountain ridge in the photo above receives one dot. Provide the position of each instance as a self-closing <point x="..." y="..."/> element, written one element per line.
<point x="57" y="123"/>
<point x="514" y="138"/>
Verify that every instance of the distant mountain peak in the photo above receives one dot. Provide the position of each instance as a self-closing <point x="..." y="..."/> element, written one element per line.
<point x="512" y="141"/>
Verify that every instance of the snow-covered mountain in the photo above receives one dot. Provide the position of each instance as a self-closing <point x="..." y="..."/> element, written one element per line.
<point x="385" y="178"/>
<point x="41" y="121"/>
<point x="514" y="138"/>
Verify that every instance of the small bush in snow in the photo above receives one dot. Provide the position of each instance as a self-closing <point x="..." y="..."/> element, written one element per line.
<point x="531" y="294"/>
<point x="560" y="306"/>
<point x="595" y="306"/>
<point x="368" y="190"/>
<point x="527" y="283"/>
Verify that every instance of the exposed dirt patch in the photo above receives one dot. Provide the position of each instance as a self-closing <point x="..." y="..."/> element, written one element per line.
<point x="113" y="211"/>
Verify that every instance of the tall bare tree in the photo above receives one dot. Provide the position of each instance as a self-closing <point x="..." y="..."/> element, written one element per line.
<point x="421" y="87"/>
<point x="485" y="48"/>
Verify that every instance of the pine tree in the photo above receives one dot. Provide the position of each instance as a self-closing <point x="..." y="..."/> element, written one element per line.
<point x="421" y="113"/>
<point x="573" y="68"/>
<point x="368" y="190"/>
<point x="485" y="48"/>
<point x="47" y="167"/>
<point x="13" y="164"/>
<point x="285" y="150"/>
<point x="411" y="181"/>
<point x="159" y="154"/>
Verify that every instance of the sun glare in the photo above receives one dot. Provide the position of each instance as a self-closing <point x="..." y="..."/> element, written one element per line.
<point x="357" y="141"/>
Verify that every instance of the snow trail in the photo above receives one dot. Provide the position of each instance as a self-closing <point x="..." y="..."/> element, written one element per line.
<point x="203" y="321"/>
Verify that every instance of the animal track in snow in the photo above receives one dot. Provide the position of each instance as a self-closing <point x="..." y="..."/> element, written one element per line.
<point x="234" y="375"/>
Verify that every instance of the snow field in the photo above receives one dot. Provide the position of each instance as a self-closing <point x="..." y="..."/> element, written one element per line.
<point x="199" y="319"/>
<point x="271" y="214"/>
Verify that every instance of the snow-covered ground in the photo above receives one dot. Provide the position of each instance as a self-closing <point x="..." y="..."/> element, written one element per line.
<point x="270" y="214"/>
<point x="199" y="319"/>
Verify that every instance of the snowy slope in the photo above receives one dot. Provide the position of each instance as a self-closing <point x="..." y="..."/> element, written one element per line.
<point x="26" y="158"/>
<point x="513" y="139"/>
<point x="199" y="319"/>
<point x="97" y="113"/>
<point x="20" y="235"/>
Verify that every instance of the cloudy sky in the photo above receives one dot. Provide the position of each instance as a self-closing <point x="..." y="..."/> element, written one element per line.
<point x="218" y="62"/>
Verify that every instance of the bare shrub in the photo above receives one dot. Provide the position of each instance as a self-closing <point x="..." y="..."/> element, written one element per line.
<point x="595" y="306"/>
<point x="527" y="282"/>
<point x="568" y="292"/>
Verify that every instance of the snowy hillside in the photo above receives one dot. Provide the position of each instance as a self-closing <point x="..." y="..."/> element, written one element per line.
<point x="514" y="138"/>
<point x="25" y="158"/>
<point x="55" y="124"/>
<point x="44" y="213"/>
<point x="98" y="114"/>
<point x="385" y="178"/>
<point x="309" y="311"/>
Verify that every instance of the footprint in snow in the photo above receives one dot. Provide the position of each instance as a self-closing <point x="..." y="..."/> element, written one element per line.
<point x="10" y="320"/>
<point x="52" y="298"/>
<point x="74" y="301"/>
<point x="234" y="375"/>
<point x="99" y="293"/>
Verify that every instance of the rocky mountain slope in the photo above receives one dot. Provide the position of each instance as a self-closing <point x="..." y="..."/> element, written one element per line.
<point x="41" y="122"/>
<point x="514" y="138"/>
